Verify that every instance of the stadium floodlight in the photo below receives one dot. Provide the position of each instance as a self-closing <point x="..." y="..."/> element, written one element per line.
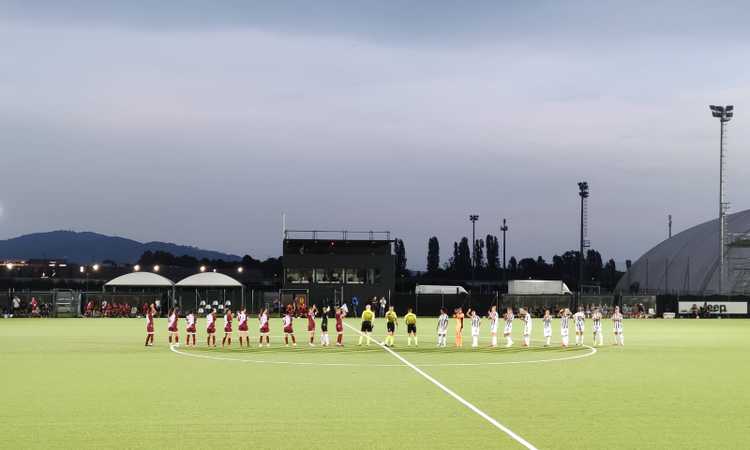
<point x="583" y="192"/>
<point x="9" y="266"/>
<point x="473" y="218"/>
<point x="724" y="114"/>
<point x="137" y="267"/>
<point x="95" y="267"/>
<point x="214" y="270"/>
<point x="81" y="269"/>
<point x="504" y="229"/>
<point x="203" y="268"/>
<point x="240" y="269"/>
<point x="156" y="268"/>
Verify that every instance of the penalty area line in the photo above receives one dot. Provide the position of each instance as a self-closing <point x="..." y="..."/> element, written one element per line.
<point x="457" y="397"/>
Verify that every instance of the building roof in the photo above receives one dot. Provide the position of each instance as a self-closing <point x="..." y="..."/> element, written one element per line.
<point x="209" y="279"/>
<point x="146" y="279"/>
<point x="688" y="262"/>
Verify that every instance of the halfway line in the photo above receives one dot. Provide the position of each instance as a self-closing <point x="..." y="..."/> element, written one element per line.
<point x="448" y="391"/>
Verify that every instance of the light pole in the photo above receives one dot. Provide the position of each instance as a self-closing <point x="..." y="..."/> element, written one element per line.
<point x="583" y="192"/>
<point x="724" y="114"/>
<point x="473" y="218"/>
<point x="504" y="229"/>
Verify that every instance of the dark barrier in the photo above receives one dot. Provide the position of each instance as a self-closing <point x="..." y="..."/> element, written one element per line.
<point x="709" y="306"/>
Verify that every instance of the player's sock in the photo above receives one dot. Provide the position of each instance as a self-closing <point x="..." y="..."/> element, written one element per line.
<point x="474" y="341"/>
<point x="494" y="341"/>
<point x="170" y="339"/>
<point x="527" y="341"/>
<point x="368" y="339"/>
<point x="416" y="342"/>
<point x="622" y="339"/>
<point x="408" y="341"/>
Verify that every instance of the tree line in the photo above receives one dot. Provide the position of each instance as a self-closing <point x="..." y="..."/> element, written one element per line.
<point x="487" y="253"/>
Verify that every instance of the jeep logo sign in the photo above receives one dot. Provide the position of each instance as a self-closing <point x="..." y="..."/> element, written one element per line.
<point x="723" y="308"/>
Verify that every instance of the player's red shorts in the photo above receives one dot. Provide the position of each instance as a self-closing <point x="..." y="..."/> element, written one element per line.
<point x="149" y="328"/>
<point x="173" y="329"/>
<point x="311" y="326"/>
<point x="339" y="328"/>
<point x="264" y="328"/>
<point x="191" y="329"/>
<point x="211" y="329"/>
<point x="242" y="327"/>
<point x="288" y="330"/>
<point x="228" y="328"/>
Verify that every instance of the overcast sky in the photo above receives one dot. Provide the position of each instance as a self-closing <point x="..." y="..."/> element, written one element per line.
<point x="201" y="122"/>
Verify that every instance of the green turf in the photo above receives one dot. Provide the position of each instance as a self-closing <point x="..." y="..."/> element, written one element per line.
<point x="90" y="383"/>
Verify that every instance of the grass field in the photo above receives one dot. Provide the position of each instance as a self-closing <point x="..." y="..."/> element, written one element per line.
<point x="90" y="383"/>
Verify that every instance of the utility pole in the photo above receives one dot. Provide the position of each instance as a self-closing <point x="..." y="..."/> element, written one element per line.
<point x="669" y="221"/>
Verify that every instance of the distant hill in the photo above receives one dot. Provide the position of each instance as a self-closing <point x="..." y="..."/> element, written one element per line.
<point x="85" y="247"/>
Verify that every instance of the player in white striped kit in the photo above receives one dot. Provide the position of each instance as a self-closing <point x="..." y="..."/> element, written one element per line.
<point x="442" y="328"/>
<point x="508" y="327"/>
<point x="527" y="323"/>
<point x="596" y="318"/>
<point x="617" y="322"/>
<point x="564" y="326"/>
<point x="580" y="320"/>
<point x="493" y="316"/>
<point x="547" y="322"/>
<point x="476" y="321"/>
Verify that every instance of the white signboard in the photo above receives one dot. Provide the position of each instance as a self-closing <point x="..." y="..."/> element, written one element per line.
<point x="715" y="307"/>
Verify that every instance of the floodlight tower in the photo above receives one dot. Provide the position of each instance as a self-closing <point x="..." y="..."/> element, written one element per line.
<point x="583" y="192"/>
<point x="473" y="218"/>
<point x="504" y="229"/>
<point x="724" y="114"/>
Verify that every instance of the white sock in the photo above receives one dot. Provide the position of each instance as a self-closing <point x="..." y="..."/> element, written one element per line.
<point x="494" y="340"/>
<point x="548" y="339"/>
<point x="408" y="341"/>
<point x="565" y="340"/>
<point x="508" y="341"/>
<point x="622" y="339"/>
<point x="526" y="340"/>
<point x="475" y="341"/>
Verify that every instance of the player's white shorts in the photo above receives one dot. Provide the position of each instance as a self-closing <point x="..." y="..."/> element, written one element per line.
<point x="564" y="332"/>
<point x="493" y="328"/>
<point x="508" y="329"/>
<point x="442" y="332"/>
<point x="527" y="330"/>
<point x="618" y="328"/>
<point x="475" y="331"/>
<point x="597" y="329"/>
<point x="579" y="327"/>
<point x="547" y="331"/>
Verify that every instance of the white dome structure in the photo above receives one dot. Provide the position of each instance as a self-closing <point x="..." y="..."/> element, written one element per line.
<point x="140" y="279"/>
<point x="209" y="279"/>
<point x="688" y="262"/>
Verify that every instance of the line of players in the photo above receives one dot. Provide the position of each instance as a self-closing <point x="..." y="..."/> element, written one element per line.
<point x="391" y="317"/>
<point x="243" y="328"/>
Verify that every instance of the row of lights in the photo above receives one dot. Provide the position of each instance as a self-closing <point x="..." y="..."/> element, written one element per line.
<point x="204" y="268"/>
<point x="156" y="268"/>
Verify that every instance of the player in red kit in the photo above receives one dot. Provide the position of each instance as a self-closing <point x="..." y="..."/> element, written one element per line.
<point x="150" y="326"/>
<point x="242" y="326"/>
<point x="311" y="324"/>
<point x="190" y="319"/>
<point x="227" y="329"/>
<point x="288" y="329"/>
<point x="173" y="318"/>
<point x="263" y="328"/>
<point x="211" y="328"/>
<point x="340" y="327"/>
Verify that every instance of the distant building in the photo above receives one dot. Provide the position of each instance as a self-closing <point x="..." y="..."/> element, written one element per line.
<point x="333" y="267"/>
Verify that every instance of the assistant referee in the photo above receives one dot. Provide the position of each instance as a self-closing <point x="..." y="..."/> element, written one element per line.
<point x="367" y="318"/>
<point x="411" y="327"/>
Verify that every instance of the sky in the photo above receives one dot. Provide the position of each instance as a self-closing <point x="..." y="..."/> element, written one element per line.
<point x="200" y="122"/>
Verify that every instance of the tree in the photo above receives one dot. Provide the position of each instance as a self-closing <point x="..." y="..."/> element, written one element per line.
<point x="493" y="254"/>
<point x="512" y="266"/>
<point x="400" y="251"/>
<point x="479" y="254"/>
<point x="433" y="255"/>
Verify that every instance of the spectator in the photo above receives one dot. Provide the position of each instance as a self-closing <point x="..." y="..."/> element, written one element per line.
<point x="16" y="305"/>
<point x="355" y="306"/>
<point x="383" y="302"/>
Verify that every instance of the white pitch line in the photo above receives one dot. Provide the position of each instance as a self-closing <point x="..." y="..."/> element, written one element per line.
<point x="460" y="399"/>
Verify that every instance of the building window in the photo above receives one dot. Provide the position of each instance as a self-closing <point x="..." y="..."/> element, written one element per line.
<point x="373" y="276"/>
<point x="355" y="276"/>
<point x="329" y="276"/>
<point x="299" y="276"/>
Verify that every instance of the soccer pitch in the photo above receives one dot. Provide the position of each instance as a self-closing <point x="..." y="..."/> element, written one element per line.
<point x="90" y="383"/>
